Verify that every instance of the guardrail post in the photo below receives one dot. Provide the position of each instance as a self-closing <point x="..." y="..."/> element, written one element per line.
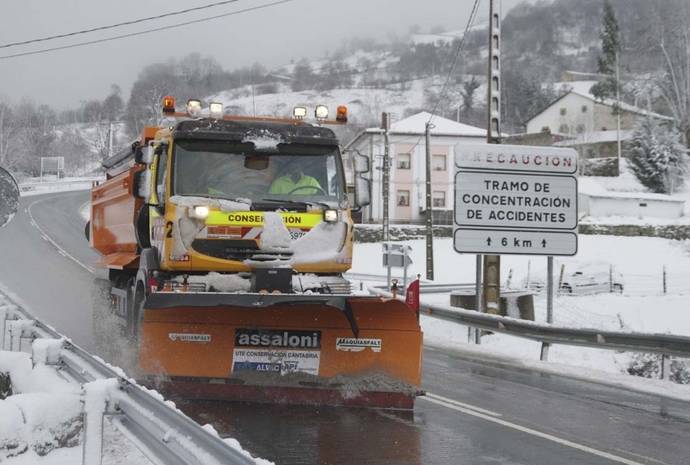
<point x="544" y="354"/>
<point x="3" y="324"/>
<point x="16" y="329"/>
<point x="94" y="403"/>
<point x="664" y="278"/>
<point x="665" y="367"/>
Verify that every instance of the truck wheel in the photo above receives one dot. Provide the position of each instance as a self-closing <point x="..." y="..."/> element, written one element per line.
<point x="87" y="231"/>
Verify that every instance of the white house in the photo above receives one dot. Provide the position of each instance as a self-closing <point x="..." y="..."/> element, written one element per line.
<point x="408" y="166"/>
<point x="578" y="112"/>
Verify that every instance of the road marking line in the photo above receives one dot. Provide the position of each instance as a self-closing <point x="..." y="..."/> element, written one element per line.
<point x="45" y="236"/>
<point x="533" y="432"/>
<point x="462" y="404"/>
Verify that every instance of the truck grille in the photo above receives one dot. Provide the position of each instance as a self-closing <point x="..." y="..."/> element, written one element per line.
<point x="236" y="249"/>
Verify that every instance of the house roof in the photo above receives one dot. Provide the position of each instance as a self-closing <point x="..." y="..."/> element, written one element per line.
<point x="582" y="89"/>
<point x="416" y="124"/>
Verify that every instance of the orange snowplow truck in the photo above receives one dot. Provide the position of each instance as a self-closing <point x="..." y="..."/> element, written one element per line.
<point x="226" y="239"/>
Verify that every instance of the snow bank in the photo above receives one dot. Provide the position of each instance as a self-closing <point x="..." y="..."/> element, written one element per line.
<point x="322" y="243"/>
<point x="40" y="422"/>
<point x="275" y="236"/>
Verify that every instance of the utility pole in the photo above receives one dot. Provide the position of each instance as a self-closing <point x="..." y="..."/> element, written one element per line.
<point x="385" y="125"/>
<point x="429" y="212"/>
<point x="618" y="112"/>
<point x="492" y="263"/>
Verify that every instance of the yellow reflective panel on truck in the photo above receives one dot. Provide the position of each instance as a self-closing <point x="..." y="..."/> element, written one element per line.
<point x="291" y="220"/>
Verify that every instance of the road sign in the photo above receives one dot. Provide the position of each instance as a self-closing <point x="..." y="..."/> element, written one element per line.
<point x="514" y="242"/>
<point x="499" y="157"/>
<point x="515" y="199"/>
<point x="397" y="255"/>
<point x="521" y="200"/>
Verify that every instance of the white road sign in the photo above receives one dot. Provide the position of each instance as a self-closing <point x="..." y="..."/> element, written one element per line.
<point x="516" y="158"/>
<point x="520" y="200"/>
<point x="519" y="242"/>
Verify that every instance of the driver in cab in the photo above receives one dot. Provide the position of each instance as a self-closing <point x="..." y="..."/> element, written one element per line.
<point x="294" y="181"/>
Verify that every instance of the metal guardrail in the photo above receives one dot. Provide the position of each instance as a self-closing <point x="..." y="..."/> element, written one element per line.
<point x="664" y="344"/>
<point x="165" y="435"/>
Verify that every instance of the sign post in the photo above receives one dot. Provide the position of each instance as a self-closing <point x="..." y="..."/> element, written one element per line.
<point x="515" y="200"/>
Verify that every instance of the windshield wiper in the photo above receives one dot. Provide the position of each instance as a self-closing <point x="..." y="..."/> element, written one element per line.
<point x="299" y="202"/>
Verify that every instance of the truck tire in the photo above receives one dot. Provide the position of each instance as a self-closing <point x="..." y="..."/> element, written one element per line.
<point x="87" y="231"/>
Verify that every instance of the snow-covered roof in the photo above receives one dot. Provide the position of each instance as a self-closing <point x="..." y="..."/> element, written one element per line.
<point x="595" y="137"/>
<point x="582" y="88"/>
<point x="415" y="125"/>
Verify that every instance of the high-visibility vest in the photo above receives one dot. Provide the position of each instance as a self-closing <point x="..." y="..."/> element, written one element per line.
<point x="285" y="185"/>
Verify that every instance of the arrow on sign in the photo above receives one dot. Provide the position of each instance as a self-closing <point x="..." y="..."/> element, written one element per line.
<point x="488" y="241"/>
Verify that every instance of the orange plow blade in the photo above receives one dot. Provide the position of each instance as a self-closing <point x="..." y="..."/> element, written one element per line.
<point x="305" y="349"/>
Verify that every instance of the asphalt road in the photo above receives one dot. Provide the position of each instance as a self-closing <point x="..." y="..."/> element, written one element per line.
<point x="477" y="411"/>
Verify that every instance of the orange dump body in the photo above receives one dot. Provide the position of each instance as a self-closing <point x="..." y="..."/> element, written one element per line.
<point x="308" y="353"/>
<point x="113" y="213"/>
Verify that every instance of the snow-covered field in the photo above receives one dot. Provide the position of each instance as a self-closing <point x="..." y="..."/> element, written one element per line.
<point x="642" y="307"/>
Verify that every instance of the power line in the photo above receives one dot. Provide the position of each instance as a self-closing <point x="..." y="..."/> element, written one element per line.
<point x="148" y="31"/>
<point x="124" y="23"/>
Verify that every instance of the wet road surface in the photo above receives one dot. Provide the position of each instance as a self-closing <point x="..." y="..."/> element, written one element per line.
<point x="477" y="411"/>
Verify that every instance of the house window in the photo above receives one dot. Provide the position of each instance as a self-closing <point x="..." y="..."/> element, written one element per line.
<point x="563" y="129"/>
<point x="403" y="161"/>
<point x="438" y="162"/>
<point x="563" y="111"/>
<point x="584" y="108"/>
<point x="438" y="199"/>
<point x="403" y="198"/>
<point x="580" y="128"/>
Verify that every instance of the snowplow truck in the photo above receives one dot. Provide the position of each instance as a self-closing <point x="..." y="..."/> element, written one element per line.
<point x="226" y="239"/>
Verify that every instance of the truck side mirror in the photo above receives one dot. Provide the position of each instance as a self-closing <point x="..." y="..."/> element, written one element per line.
<point x="362" y="191"/>
<point x="143" y="155"/>
<point x="9" y="197"/>
<point x="142" y="184"/>
<point x="360" y="163"/>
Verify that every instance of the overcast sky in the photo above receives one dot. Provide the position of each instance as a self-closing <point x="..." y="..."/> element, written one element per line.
<point x="272" y="36"/>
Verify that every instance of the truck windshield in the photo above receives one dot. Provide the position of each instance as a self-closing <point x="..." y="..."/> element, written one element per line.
<point x="235" y="170"/>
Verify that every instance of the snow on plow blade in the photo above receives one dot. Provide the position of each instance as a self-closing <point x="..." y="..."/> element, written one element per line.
<point x="304" y="349"/>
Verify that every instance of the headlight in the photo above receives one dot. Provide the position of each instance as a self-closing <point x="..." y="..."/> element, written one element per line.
<point x="321" y="112"/>
<point x="215" y="110"/>
<point x="200" y="212"/>
<point x="194" y="108"/>
<point x="299" y="112"/>
<point x="330" y="216"/>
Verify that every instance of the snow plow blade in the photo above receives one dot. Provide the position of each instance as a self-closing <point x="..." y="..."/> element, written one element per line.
<point x="286" y="348"/>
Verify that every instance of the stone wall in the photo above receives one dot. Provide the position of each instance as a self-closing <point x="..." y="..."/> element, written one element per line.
<point x="370" y="233"/>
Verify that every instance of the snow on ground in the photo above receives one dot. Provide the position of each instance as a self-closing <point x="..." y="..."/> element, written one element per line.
<point x="642" y="307"/>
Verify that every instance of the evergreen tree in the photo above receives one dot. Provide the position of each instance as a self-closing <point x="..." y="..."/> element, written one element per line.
<point x="657" y="157"/>
<point x="610" y="51"/>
